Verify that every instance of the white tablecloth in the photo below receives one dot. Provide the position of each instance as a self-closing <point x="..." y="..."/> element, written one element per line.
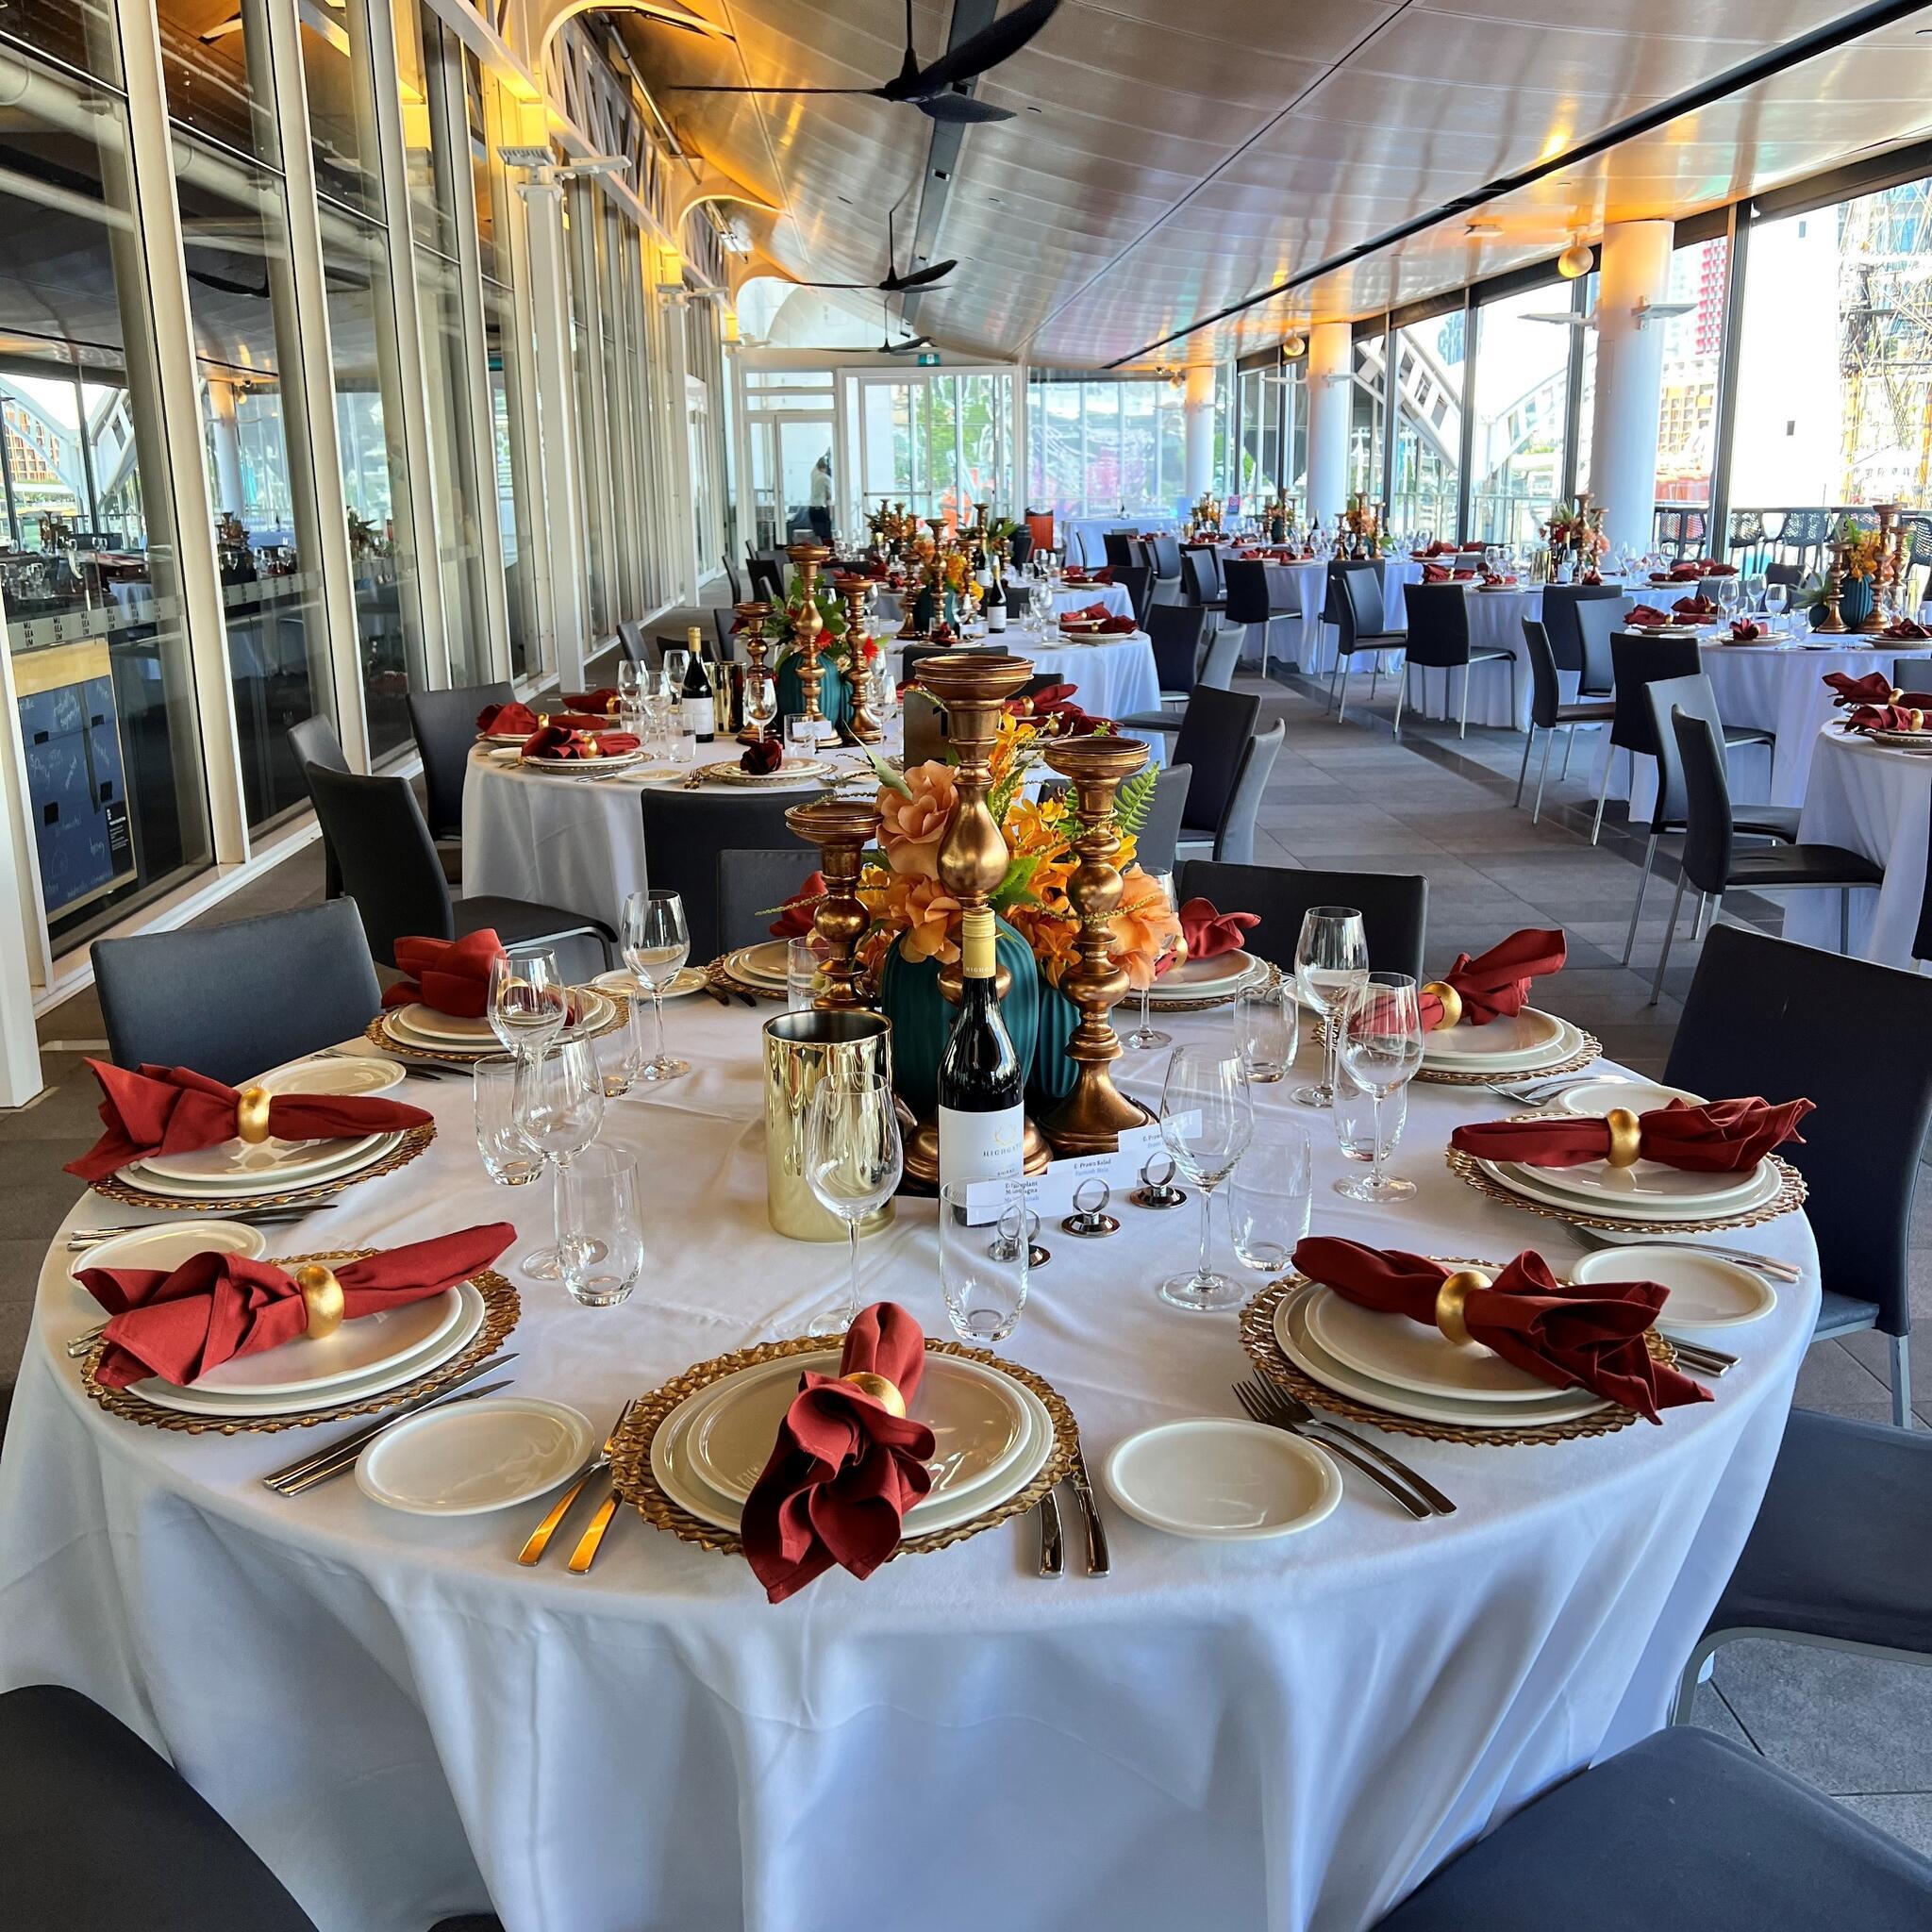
<point x="890" y="607"/>
<point x="1281" y="1734"/>
<point x="1877" y="802"/>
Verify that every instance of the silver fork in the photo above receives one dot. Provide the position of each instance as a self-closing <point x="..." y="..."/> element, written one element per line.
<point x="1298" y="1411"/>
<point x="1249" y="1394"/>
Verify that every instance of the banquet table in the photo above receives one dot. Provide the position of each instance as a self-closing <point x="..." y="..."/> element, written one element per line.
<point x="1286" y="1733"/>
<point x="1877" y="801"/>
<point x="890" y="606"/>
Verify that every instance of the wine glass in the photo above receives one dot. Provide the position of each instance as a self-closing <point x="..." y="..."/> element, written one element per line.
<point x="1381" y="1033"/>
<point x="559" y="1109"/>
<point x="854" y="1162"/>
<point x="508" y="1157"/>
<point x="983" y="1270"/>
<point x="1206" y="1121"/>
<point x="600" y="1233"/>
<point x="760" y="701"/>
<point x="655" y="943"/>
<point x="1267" y="1030"/>
<point x="676" y="663"/>
<point x="529" y="1003"/>
<point x="1777" y="600"/>
<point x="1270" y="1198"/>
<point x="1144" y="1038"/>
<point x="1753" y="590"/>
<point x="629" y="680"/>
<point x="1331" y="957"/>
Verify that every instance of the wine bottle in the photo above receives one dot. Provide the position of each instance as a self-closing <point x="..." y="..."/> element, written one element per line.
<point x="995" y="603"/>
<point x="700" y="709"/>
<point x="982" y="1095"/>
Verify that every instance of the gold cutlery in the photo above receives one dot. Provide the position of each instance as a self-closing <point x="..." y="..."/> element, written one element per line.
<point x="592" y="1538"/>
<point x="1053" y="1549"/>
<point x="1258" y="1400"/>
<point x="1097" y="1562"/>
<point x="532" y="1552"/>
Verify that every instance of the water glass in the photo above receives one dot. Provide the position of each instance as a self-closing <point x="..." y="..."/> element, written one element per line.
<point x="621" y="1055"/>
<point x="600" y="1233"/>
<point x="1206" y="1121"/>
<point x="1331" y="960"/>
<point x="1269" y="1197"/>
<point x="982" y="1270"/>
<point x="529" y="1002"/>
<point x="559" y="1109"/>
<point x="655" y="941"/>
<point x="1381" y="1049"/>
<point x="801" y="734"/>
<point x="854" y="1162"/>
<point x="1267" y="1029"/>
<point x="507" y="1159"/>
<point x="801" y="975"/>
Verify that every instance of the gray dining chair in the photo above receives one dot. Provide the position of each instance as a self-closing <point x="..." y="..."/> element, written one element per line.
<point x="685" y="831"/>
<point x="444" y="724"/>
<point x="1232" y="838"/>
<point x="314" y="742"/>
<point x="1395" y="906"/>
<point x="752" y="884"/>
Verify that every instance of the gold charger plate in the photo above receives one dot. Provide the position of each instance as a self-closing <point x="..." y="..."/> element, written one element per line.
<point x="501" y="1309"/>
<point x="415" y="1141"/>
<point x="1257" y="1337"/>
<point x="464" y="1055"/>
<point x="630" y="1463"/>
<point x="719" y="978"/>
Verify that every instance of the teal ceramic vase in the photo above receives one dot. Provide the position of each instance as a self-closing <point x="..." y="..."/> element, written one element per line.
<point x="835" y="693"/>
<point x="1854" y="601"/>
<point x="1054" y="1073"/>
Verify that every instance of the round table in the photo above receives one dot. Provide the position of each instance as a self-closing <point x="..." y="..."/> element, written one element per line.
<point x="1289" y="1734"/>
<point x="1112" y="676"/>
<point x="1877" y="801"/>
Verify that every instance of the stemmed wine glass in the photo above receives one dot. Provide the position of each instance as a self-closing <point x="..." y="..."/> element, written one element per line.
<point x="529" y="1004"/>
<point x="853" y="1161"/>
<point x="1206" y="1121"/>
<point x="760" y="702"/>
<point x="558" y="1107"/>
<point x="1777" y="599"/>
<point x="1381" y="1033"/>
<point x="1144" y="1038"/>
<point x="655" y="943"/>
<point x="676" y="663"/>
<point x="1331" y="960"/>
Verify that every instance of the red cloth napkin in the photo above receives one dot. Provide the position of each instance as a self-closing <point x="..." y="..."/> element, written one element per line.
<point x="1701" y="608"/>
<point x="1745" y="631"/>
<point x="1570" y="1335"/>
<point x="1720" y="1136"/>
<point x="844" y="1471"/>
<point x="765" y="755"/>
<point x="1208" y="933"/>
<point x="1875" y="687"/>
<point x="1645" y="617"/>
<point x="794" y="920"/>
<point x="452" y="975"/>
<point x="1906" y="627"/>
<point x="178" y="1323"/>
<point x="600" y="703"/>
<point x="1435" y="574"/>
<point x="1495" y="985"/>
<point x="1462" y="576"/>
<point x="1492" y="581"/>
<point x="501" y="720"/>
<point x="561" y="742"/>
<point x="1076" y="576"/>
<point x="1120" y="626"/>
<point x="1710" y="567"/>
<point x="1889" y="717"/>
<point x="1055" y="700"/>
<point x="175" y="1110"/>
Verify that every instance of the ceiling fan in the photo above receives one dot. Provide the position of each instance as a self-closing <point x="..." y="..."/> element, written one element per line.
<point x="894" y="283"/>
<point x="935" y="88"/>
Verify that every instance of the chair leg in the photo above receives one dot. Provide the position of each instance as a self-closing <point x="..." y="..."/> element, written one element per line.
<point x="1693" y="1676"/>
<point x="1401" y="697"/>
<point x="1267" y="631"/>
<point x="1462" y="727"/>
<point x="1537" y="814"/>
<point x="1333" y="674"/>
<point x="1643" y="887"/>
<point x="1602" y="792"/>
<point x="1523" y="774"/>
<point x="1568" y="746"/>
<point x="1901" y="1382"/>
<point x="1341" y="710"/>
<point x="1663" y="959"/>
<point x="1374" y="674"/>
<point x="1697" y="924"/>
<point x="1844" y="920"/>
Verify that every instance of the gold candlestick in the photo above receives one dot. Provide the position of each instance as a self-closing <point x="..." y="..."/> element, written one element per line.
<point x="1834" y="624"/>
<point x="865" y="727"/>
<point x="811" y="625"/>
<point x="1883" y="579"/>
<point x="841" y="829"/>
<point x="1092" y="1117"/>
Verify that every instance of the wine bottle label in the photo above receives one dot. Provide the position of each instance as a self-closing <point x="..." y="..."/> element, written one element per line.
<point x="995" y="617"/>
<point x="701" y="717"/>
<point x="981" y="1146"/>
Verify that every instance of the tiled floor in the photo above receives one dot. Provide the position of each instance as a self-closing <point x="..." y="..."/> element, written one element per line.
<point x="1348" y="797"/>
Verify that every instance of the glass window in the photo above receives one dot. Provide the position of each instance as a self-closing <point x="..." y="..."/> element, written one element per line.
<point x="80" y="32"/>
<point x="207" y="71"/>
<point x="1118" y="448"/>
<point x="1364" y="427"/>
<point x="1522" y="410"/>
<point x="580" y="214"/>
<point x="429" y="63"/>
<point x="1259" y="461"/>
<point x="342" y="110"/>
<point x="937" y="443"/>
<point x="483" y="162"/>
<point x="1694" y="367"/>
<point x="460" y="518"/>
<point x="1430" y="370"/>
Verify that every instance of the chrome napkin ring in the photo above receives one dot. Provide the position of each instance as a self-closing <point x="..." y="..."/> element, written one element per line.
<point x="1162" y="1192"/>
<point x="1090" y="1217"/>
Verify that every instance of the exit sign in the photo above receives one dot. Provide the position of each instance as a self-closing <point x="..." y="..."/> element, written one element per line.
<point x="927" y="360"/>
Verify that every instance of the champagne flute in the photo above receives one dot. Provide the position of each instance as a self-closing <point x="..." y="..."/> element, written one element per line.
<point x="1331" y="958"/>
<point x="529" y="1004"/>
<point x="1143" y="1038"/>
<point x="559" y="1109"/>
<point x="854" y="1162"/>
<point x="655" y="943"/>
<point x="1206" y="1121"/>
<point x="1381" y="1033"/>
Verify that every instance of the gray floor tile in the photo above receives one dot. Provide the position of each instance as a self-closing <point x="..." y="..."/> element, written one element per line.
<point x="1907" y="1815"/>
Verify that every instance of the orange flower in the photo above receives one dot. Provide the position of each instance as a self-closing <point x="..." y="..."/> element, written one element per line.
<point x="1050" y="933"/>
<point x="1143" y="924"/>
<point x="922" y="911"/>
<point x="910" y="829"/>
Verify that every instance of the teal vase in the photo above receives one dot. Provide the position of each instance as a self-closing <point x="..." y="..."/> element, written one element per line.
<point x="926" y="611"/>
<point x="1054" y="1073"/>
<point x="835" y="693"/>
<point x="922" y="1017"/>
<point x="1854" y="601"/>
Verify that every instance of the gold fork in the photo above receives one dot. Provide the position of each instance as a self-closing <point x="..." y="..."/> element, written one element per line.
<point x="532" y="1552"/>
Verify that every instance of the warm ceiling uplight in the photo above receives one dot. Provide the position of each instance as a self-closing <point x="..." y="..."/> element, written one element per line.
<point x="1575" y="260"/>
<point x="1292" y="346"/>
<point x="730" y="328"/>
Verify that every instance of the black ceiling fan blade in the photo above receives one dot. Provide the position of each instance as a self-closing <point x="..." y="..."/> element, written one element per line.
<point x="851" y="287"/>
<point x="961" y="109"/>
<point x="896" y="284"/>
<point x="988" y="48"/>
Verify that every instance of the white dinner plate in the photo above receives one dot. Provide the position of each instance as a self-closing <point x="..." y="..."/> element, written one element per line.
<point x="466" y="1458"/>
<point x="1513" y="1066"/>
<point x="614" y="762"/>
<point x="627" y="986"/>
<point x="1306" y="1354"/>
<point x="1224" y="975"/>
<point x="168" y="1244"/>
<point x="1507" y="1037"/>
<point x="419" y="1023"/>
<point x="1222" y="1480"/>
<point x="351" y="1073"/>
<point x="1646" y="1185"/>
<point x="238" y="1162"/>
<point x="1639" y="1096"/>
<point x="313" y="1364"/>
<point x="1707" y="1291"/>
<point x="1533" y="1184"/>
<point x="1407" y="1354"/>
<point x="792" y="771"/>
<point x="763" y="964"/>
<point x="348" y="1158"/>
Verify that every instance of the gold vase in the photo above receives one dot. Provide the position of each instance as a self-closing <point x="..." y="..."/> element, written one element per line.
<point x="865" y="727"/>
<point x="811" y="627"/>
<point x="841" y="829"/>
<point x="1092" y="1117"/>
<point x="1884" y="579"/>
<point x="802" y="1050"/>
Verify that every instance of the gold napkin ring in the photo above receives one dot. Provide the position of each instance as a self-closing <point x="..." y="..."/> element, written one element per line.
<point x="322" y="1295"/>
<point x="1450" y="1298"/>
<point x="1452" y="1001"/>
<point x="542" y="720"/>
<point x="1626" y="1136"/>
<point x="884" y="1392"/>
<point x="251" y="1114"/>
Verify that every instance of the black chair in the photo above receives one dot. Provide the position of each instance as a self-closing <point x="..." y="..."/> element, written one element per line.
<point x="1120" y="547"/>
<point x="314" y="742"/>
<point x="722" y="621"/>
<point x="1395" y="906"/>
<point x="1439" y="640"/>
<point x="767" y="579"/>
<point x="1598" y="622"/>
<point x="1684" y="1829"/>
<point x="1201" y="579"/>
<point x="1360" y="625"/>
<point x="1167" y="558"/>
<point x="389" y="869"/>
<point x="1216" y="673"/>
<point x="1559" y="618"/>
<point x="1212" y="734"/>
<point x="751" y="884"/>
<point x="684" y="834"/>
<point x="1837" y="1555"/>
<point x="444" y="724"/>
<point x="1922" y="939"/>
<point x="1137" y="580"/>
<point x="1233" y="838"/>
<point x="630" y="640"/>
<point x="231" y="1001"/>
<point x="99" y="1833"/>
<point x="1159" y="833"/>
<point x="1549" y="713"/>
<point x="1249" y="600"/>
<point x="1175" y="631"/>
<point x="1019" y="549"/>
<point x="1753" y="1015"/>
<point x="732" y="579"/>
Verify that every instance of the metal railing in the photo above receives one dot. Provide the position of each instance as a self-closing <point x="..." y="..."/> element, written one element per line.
<point x="1791" y="534"/>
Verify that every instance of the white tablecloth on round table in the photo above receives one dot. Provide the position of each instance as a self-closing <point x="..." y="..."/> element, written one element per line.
<point x="1283" y="1734"/>
<point x="1113" y="676"/>
<point x="1877" y="802"/>
<point x="890" y="607"/>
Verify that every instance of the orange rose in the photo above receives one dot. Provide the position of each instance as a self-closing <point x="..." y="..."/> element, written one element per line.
<point x="922" y="911"/>
<point x="1143" y="925"/>
<point x="910" y="829"/>
<point x="1050" y="934"/>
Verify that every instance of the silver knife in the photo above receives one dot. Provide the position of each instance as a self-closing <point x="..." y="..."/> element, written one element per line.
<point x="1097" y="1564"/>
<point x="1053" y="1554"/>
<point x="346" y="1460"/>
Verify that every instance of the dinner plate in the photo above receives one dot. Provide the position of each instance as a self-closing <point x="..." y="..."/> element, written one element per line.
<point x="1707" y="1291"/>
<point x="1222" y="1480"/>
<point x="350" y="1073"/>
<point x="792" y="771"/>
<point x="1639" y="1096"/>
<point x="763" y="964"/>
<point x="424" y="1022"/>
<point x="1567" y="1045"/>
<point x="238" y="1162"/>
<point x="1533" y="1185"/>
<point x="1395" y="1350"/>
<point x="168" y="1244"/>
<point x="628" y="985"/>
<point x="614" y="762"/>
<point x="1223" y="976"/>
<point x="1505" y="1037"/>
<point x="311" y="1364"/>
<point x="1306" y="1354"/>
<point x="467" y="1458"/>
<point x="1648" y="1185"/>
<point x="350" y="1158"/>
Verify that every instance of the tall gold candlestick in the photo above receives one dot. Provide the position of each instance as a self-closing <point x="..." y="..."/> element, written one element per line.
<point x="1834" y="624"/>
<point x="811" y="627"/>
<point x="841" y="829"/>
<point x="753" y="615"/>
<point x="865" y="727"/>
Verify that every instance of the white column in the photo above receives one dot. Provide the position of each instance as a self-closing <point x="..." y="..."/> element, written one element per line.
<point x="1331" y="363"/>
<point x="1198" y="419"/>
<point x="1629" y="378"/>
<point x="225" y="435"/>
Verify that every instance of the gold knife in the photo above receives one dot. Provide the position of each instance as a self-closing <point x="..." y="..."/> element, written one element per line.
<point x="591" y="1541"/>
<point x="532" y="1552"/>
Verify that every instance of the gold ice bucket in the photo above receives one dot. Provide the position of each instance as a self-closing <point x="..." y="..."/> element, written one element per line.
<point x="802" y="1050"/>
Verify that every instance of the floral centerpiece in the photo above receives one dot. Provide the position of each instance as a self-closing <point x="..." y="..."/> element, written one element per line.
<point x="1860" y="559"/>
<point x="947" y="593"/>
<point x="1361" y="527"/>
<point x="1575" y="533"/>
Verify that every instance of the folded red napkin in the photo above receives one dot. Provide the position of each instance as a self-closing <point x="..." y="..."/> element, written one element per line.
<point x="1493" y="581"/>
<point x="1875" y="687"/>
<point x="1720" y="1136"/>
<point x="1745" y="631"/>
<point x="1122" y="626"/>
<point x="1710" y="567"/>
<point x="1889" y="717"/>
<point x="180" y="1322"/>
<point x="1078" y="577"/>
<point x="874" y="568"/>
<point x="1462" y="576"/>
<point x="1645" y="617"/>
<point x="1906" y="627"/>
<point x="1700" y="609"/>
<point x="1208" y="933"/>
<point x="795" y="920"/>
<point x="175" y="1110"/>
<point x="500" y="720"/>
<point x="1495" y="985"/>
<point x="1567" y="1334"/>
<point x="1435" y="574"/>
<point x="561" y="742"/>
<point x="452" y="975"/>
<point x="1057" y="702"/>
<point x="600" y="703"/>
<point x="845" y="1469"/>
<point x="1592" y="576"/>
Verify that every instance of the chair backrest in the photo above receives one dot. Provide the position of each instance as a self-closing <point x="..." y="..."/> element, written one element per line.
<point x="1559" y="617"/>
<point x="751" y="883"/>
<point x="314" y="742"/>
<point x="1197" y="576"/>
<point x="767" y="580"/>
<point x="630" y="640"/>
<point x="1359" y="603"/>
<point x="1597" y="619"/>
<point x="925" y="725"/>
<point x="732" y="579"/>
<point x="1789" y="574"/>
<point x="1120" y="547"/>
<point x="388" y="861"/>
<point x="1696" y="697"/>
<point x="684" y="833"/>
<point x="727" y="644"/>
<point x="1235" y="840"/>
<point x="1638" y="659"/>
<point x="1137" y="580"/>
<point x="1922" y="939"/>
<point x="1707" y="829"/>
<point x="1751" y="1026"/>
<point x="1154" y="843"/>
<point x="289" y="983"/>
<point x="1175" y="630"/>
<point x="1395" y="906"/>
<point x="1040" y="530"/>
<point x="1247" y="590"/>
<point x="1214" y="728"/>
<point x="1438" y="624"/>
<point x="1167" y="557"/>
<point x="1545" y="693"/>
<point x="444" y="723"/>
<point x="1019" y="549"/>
<point x="1224" y="654"/>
